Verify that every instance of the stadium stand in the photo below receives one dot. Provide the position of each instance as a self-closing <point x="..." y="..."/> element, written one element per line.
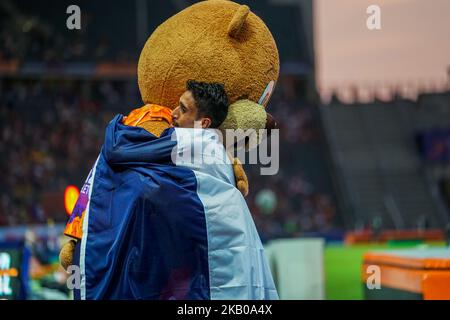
<point x="381" y="173"/>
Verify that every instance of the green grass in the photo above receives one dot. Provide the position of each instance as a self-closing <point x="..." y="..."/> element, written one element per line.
<point x="343" y="271"/>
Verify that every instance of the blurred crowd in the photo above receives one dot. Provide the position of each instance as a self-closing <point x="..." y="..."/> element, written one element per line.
<point x="52" y="130"/>
<point x="32" y="38"/>
<point x="299" y="199"/>
<point x="51" y="133"/>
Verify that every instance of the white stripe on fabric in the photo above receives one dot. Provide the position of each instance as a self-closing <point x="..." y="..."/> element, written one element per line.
<point x="238" y="268"/>
<point x="85" y="234"/>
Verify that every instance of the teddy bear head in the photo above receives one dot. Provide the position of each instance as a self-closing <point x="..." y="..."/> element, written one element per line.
<point x="213" y="41"/>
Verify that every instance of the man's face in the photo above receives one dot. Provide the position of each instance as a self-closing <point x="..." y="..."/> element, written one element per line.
<point x="186" y="113"/>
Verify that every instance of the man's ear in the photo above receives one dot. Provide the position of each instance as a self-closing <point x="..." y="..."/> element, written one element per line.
<point x="206" y="123"/>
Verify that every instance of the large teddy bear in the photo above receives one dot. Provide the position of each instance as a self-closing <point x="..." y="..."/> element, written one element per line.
<point x="212" y="41"/>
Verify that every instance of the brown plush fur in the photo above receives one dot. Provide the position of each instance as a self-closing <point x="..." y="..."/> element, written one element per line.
<point x="66" y="254"/>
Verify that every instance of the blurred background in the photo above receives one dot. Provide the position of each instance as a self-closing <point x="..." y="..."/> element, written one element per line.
<point x="364" y="127"/>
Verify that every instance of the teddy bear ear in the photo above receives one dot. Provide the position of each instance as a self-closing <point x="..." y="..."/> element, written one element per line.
<point x="237" y="21"/>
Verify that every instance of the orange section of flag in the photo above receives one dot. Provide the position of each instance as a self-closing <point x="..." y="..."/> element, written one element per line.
<point x="75" y="228"/>
<point x="146" y="113"/>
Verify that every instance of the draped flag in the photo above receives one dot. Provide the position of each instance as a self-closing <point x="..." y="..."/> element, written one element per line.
<point x="160" y="218"/>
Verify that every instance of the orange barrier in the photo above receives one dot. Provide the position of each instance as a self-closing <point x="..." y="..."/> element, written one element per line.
<point x="13" y="272"/>
<point x="423" y="272"/>
<point x="369" y="236"/>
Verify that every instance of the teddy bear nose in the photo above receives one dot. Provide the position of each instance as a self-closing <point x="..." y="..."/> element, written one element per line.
<point x="271" y="124"/>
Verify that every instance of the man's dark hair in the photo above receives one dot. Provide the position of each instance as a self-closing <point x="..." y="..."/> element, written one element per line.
<point x="211" y="100"/>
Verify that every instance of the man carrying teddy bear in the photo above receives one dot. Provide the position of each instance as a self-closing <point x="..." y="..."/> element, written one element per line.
<point x="137" y="243"/>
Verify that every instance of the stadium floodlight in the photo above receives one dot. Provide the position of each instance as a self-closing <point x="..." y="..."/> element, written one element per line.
<point x="70" y="198"/>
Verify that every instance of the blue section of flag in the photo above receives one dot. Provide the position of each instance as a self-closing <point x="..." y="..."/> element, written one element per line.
<point x="146" y="231"/>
